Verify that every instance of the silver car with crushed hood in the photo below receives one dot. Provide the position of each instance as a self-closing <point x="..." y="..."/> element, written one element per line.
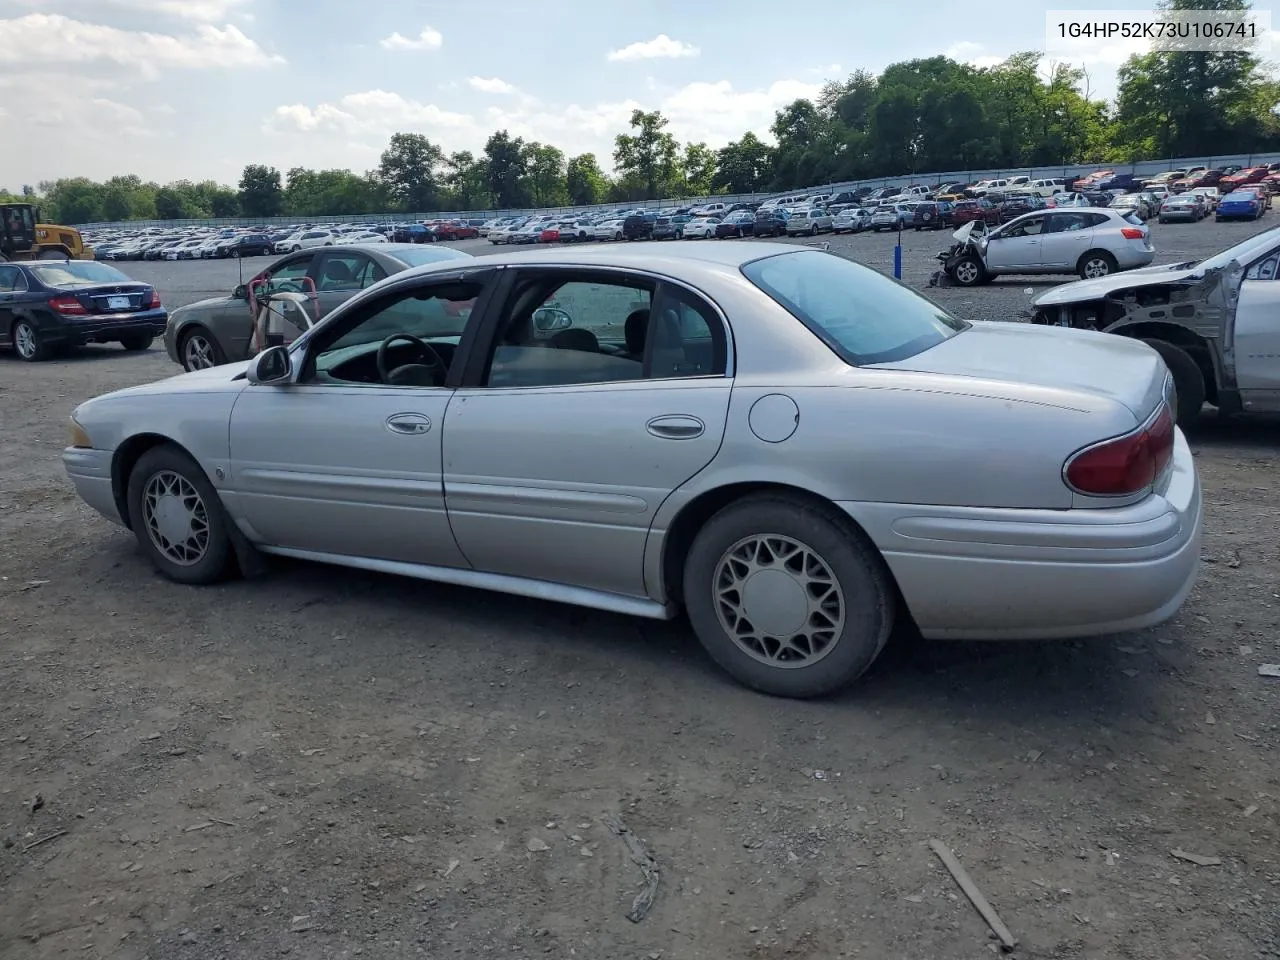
<point x="793" y="448"/>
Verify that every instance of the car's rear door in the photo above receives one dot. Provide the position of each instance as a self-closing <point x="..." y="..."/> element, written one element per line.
<point x="1256" y="333"/>
<point x="1067" y="235"/>
<point x="558" y="451"/>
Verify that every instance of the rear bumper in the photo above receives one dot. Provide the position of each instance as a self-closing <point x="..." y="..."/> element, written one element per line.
<point x="1132" y="257"/>
<point x="982" y="574"/>
<point x="104" y="329"/>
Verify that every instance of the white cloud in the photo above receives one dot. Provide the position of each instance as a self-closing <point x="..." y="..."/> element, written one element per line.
<point x="490" y="85"/>
<point x="659" y="48"/>
<point x="373" y="112"/>
<point x="208" y="11"/>
<point x="826" y="70"/>
<point x="28" y="40"/>
<point x="717" y="113"/>
<point x="966" y="51"/>
<point x="428" y="39"/>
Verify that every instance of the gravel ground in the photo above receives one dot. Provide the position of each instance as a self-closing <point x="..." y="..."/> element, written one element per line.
<point x="326" y="763"/>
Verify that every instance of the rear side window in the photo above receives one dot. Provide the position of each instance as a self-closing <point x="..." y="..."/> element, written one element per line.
<point x="862" y="315"/>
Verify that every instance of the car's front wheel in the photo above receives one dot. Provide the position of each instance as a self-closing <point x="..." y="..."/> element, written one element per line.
<point x="788" y="596"/>
<point x="969" y="271"/>
<point x="177" y="517"/>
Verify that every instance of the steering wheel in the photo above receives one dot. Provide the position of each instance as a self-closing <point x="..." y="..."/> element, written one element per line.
<point x="431" y="368"/>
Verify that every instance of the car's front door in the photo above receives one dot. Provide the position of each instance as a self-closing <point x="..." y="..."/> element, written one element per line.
<point x="235" y="325"/>
<point x="1257" y="333"/>
<point x="1066" y="237"/>
<point x="1016" y="247"/>
<point x="560" y="448"/>
<point x="346" y="458"/>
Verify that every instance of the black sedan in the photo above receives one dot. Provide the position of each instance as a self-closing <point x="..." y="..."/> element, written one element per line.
<point x="49" y="304"/>
<point x="251" y="245"/>
<point x="771" y="223"/>
<point x="741" y="223"/>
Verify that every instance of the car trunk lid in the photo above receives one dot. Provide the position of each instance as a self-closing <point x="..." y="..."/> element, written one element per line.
<point x="1061" y="360"/>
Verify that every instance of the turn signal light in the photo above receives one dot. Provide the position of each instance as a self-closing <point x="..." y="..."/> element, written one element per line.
<point x="67" y="305"/>
<point x="1125" y="465"/>
<point x="1132" y="233"/>
<point x="76" y="436"/>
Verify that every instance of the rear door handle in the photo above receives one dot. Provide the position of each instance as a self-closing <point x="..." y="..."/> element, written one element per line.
<point x="676" y="427"/>
<point x="410" y="424"/>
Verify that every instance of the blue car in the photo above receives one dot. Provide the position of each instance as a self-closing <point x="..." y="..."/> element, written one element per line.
<point x="50" y="304"/>
<point x="1240" y="205"/>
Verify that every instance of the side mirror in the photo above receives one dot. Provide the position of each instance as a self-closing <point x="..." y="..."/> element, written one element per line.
<point x="240" y="293"/>
<point x="550" y="319"/>
<point x="273" y="365"/>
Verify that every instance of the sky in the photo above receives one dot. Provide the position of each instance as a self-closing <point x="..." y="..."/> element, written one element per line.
<point x="196" y="89"/>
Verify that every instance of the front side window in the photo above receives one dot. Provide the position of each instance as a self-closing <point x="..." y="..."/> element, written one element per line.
<point x="863" y="316"/>
<point x="348" y="272"/>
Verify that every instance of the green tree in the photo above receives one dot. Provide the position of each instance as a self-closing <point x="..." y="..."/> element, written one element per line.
<point x="221" y="201"/>
<point x="507" y="171"/>
<point x="467" y="180"/>
<point x="74" y="201"/>
<point x="649" y="156"/>
<point x="547" y="171"/>
<point x="261" y="194"/>
<point x="585" y="181"/>
<point x="698" y="169"/>
<point x="410" y="171"/>
<point x="743" y="166"/>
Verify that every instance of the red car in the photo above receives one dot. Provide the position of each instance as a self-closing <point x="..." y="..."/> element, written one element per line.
<point x="549" y="234"/>
<point x="980" y="209"/>
<point x="1237" y="180"/>
<point x="456" y="230"/>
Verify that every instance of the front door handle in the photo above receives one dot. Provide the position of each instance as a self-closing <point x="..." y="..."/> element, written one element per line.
<point x="676" y="427"/>
<point x="410" y="424"/>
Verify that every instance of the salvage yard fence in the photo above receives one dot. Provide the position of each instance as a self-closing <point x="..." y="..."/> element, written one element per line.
<point x="1139" y="168"/>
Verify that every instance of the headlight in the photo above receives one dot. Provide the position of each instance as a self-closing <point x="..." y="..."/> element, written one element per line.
<point x="76" y="436"/>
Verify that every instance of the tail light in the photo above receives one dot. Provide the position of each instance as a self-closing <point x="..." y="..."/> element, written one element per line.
<point x="1132" y="233"/>
<point x="154" y="302"/>
<point x="67" y="306"/>
<point x="1124" y="465"/>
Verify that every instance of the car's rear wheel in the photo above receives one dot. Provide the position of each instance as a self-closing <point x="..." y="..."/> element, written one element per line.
<point x="1188" y="382"/>
<point x="138" y="343"/>
<point x="1095" y="264"/>
<point x="199" y="351"/>
<point x="969" y="271"/>
<point x="787" y="596"/>
<point x="177" y="517"/>
<point x="27" y="342"/>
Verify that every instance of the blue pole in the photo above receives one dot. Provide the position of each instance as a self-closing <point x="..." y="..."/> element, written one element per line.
<point x="897" y="258"/>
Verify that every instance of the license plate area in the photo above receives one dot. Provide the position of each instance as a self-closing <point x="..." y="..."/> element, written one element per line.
<point x="118" y="303"/>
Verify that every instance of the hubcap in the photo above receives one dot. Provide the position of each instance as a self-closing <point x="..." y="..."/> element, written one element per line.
<point x="1096" y="268"/>
<point x="24" y="339"/>
<point x="199" y="353"/>
<point x="176" y="518"/>
<point x="966" y="272"/>
<point x="778" y="601"/>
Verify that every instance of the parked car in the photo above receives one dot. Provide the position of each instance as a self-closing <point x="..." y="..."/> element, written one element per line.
<point x="1182" y="207"/>
<point x="852" y="220"/>
<point x="932" y="215"/>
<point x="1134" y="202"/>
<point x="1017" y="205"/>
<point x="980" y="210"/>
<point x="638" y="226"/>
<point x="1088" y="242"/>
<point x="457" y="230"/>
<point x="893" y="216"/>
<point x="220" y="330"/>
<point x="771" y="222"/>
<point x="740" y="223"/>
<point x="1049" y="455"/>
<point x="47" y="305"/>
<point x="1239" y="205"/>
<point x="700" y="228"/>
<point x="1222" y="344"/>
<point x="607" y="230"/>
<point x="811" y="221"/>
<point x="670" y="227"/>
<point x="1211" y="196"/>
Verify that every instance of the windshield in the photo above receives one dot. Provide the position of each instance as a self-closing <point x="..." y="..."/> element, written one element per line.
<point x="1245" y="251"/>
<point x="860" y="314"/>
<point x="431" y="254"/>
<point x="77" y="273"/>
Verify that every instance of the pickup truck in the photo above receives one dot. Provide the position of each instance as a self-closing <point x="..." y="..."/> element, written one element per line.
<point x="1212" y="321"/>
<point x="1040" y="188"/>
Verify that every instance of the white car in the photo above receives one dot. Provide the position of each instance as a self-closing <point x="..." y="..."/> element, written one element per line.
<point x="1045" y="188"/>
<point x="607" y="230"/>
<point x="1211" y="195"/>
<point x="504" y="232"/>
<point x="364" y="238"/>
<point x="854" y="220"/>
<point x="893" y="216"/>
<point x="983" y="187"/>
<point x="1088" y="241"/>
<point x="700" y="228"/>
<point x="315" y="238"/>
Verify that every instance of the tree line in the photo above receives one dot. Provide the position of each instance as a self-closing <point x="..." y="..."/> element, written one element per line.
<point x="917" y="117"/>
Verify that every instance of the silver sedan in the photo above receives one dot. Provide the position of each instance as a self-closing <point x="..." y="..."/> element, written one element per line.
<point x="796" y="450"/>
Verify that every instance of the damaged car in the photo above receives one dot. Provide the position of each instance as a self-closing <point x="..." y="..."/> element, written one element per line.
<point x="1090" y="242"/>
<point x="1216" y="323"/>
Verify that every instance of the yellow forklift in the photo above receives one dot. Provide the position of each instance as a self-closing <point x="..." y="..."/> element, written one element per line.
<point x="24" y="237"/>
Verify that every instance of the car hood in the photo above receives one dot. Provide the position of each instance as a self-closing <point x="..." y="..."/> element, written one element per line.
<point x="1052" y="365"/>
<point x="1082" y="291"/>
<point x="212" y="303"/>
<point x="215" y="379"/>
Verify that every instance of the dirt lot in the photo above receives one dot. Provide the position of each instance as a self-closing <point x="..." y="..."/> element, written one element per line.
<point x="324" y="763"/>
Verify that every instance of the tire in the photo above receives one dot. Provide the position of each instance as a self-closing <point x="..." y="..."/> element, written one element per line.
<point x="1095" y="264"/>
<point x="27" y="342"/>
<point x="199" y="342"/>
<point x="813" y="230"/>
<point x="862" y="616"/>
<point x="969" y="271"/>
<point x="1188" y="381"/>
<point x="137" y="344"/>
<point x="166" y="472"/>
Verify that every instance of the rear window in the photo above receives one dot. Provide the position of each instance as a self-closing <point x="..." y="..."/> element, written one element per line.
<point x="77" y="273"/>
<point x="429" y="254"/>
<point x="862" y="315"/>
